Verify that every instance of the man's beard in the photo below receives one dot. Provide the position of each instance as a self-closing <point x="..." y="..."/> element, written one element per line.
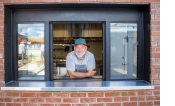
<point x="81" y="55"/>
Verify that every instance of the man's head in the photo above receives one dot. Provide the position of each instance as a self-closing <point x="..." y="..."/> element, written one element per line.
<point x="80" y="47"/>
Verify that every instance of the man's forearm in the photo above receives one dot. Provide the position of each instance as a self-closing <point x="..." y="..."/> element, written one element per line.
<point x="79" y="74"/>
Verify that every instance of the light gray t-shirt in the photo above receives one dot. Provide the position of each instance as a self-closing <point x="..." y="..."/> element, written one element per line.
<point x="74" y="64"/>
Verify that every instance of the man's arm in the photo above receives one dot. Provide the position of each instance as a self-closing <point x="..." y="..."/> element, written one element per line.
<point x="89" y="73"/>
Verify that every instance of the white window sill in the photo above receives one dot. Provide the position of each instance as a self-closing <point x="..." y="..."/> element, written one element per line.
<point x="76" y="85"/>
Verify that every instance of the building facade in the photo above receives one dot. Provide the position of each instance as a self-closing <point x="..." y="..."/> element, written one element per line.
<point x="142" y="97"/>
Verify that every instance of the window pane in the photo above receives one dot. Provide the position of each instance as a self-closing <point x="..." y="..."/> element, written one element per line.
<point x="31" y="52"/>
<point x="123" y="50"/>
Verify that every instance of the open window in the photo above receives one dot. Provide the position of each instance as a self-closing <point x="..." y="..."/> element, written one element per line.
<point x="64" y="36"/>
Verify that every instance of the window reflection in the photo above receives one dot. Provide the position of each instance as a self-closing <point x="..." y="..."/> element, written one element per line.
<point x="31" y="52"/>
<point x="123" y="50"/>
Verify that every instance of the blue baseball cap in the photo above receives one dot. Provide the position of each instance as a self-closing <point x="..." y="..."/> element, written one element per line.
<point x="80" y="41"/>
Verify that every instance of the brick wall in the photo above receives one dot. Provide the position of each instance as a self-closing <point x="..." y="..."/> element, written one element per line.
<point x="95" y="98"/>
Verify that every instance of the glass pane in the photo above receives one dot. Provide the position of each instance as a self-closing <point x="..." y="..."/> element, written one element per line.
<point x="123" y="50"/>
<point x="31" y="52"/>
<point x="64" y="36"/>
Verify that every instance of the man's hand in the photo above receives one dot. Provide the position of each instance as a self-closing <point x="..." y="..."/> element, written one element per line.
<point x="91" y="72"/>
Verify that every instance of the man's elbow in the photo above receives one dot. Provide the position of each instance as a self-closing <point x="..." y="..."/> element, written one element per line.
<point x="71" y="74"/>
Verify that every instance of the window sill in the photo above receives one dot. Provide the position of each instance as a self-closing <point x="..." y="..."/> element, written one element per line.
<point x="76" y="85"/>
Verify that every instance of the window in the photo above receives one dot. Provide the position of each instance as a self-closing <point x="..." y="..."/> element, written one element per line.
<point x="119" y="36"/>
<point x="31" y="64"/>
<point x="123" y="50"/>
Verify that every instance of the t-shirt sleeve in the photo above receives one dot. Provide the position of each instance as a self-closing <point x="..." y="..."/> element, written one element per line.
<point x="70" y="64"/>
<point x="91" y="63"/>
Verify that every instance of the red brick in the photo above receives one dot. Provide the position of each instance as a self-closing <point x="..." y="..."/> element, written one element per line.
<point x="152" y="60"/>
<point x="44" y="94"/>
<point x="152" y="49"/>
<point x="158" y="44"/>
<point x="153" y="98"/>
<point x="28" y="95"/>
<point x="152" y="16"/>
<point x="62" y="104"/>
<point x="113" y="104"/>
<point x="1" y="17"/>
<point x="13" y="104"/>
<point x="157" y="38"/>
<point x="152" y="71"/>
<point x="128" y="93"/>
<point x="155" y="54"/>
<point x="87" y="0"/>
<point x="1" y="39"/>
<point x="152" y="38"/>
<point x="1" y="44"/>
<point x="155" y="22"/>
<point x="1" y="6"/>
<point x="138" y="1"/>
<point x="83" y="100"/>
<point x="61" y="95"/>
<point x="2" y="28"/>
<point x="157" y="71"/>
<point x="19" y="1"/>
<point x="2" y="72"/>
<point x="152" y="27"/>
<point x="146" y="103"/>
<point x="122" y="1"/>
<point x="78" y="94"/>
<point x="1" y="77"/>
<point x="70" y="100"/>
<point x="79" y="104"/>
<point x="157" y="16"/>
<point x="152" y="5"/>
<point x="118" y="99"/>
<point x="53" y="1"/>
<point x="156" y="82"/>
<point x="106" y="1"/>
<point x="129" y="104"/>
<point x="1" y="22"/>
<point x="29" y="104"/>
<point x="153" y="11"/>
<point x="97" y="104"/>
<point x="157" y="60"/>
<point x="95" y="94"/>
<point x="142" y="98"/>
<point x="156" y="103"/>
<point x="1" y="12"/>
<point x="112" y="94"/>
<point x="45" y="104"/>
<point x="144" y="93"/>
<point x="36" y="100"/>
<point x="155" y="32"/>
<point x="1" y="33"/>
<point x="1" y="94"/>
<point x="153" y="1"/>
<point x="5" y="1"/>
<point x="1" y="83"/>
<point x="104" y="99"/>
<point x="157" y="27"/>
<point x="5" y="99"/>
<point x="155" y="65"/>
<point x="36" y="1"/>
<point x="156" y="92"/>
<point x="157" y="5"/>
<point x="20" y="100"/>
<point x="154" y="76"/>
<point x="2" y="104"/>
<point x="70" y="0"/>
<point x="11" y="94"/>
<point x="53" y="99"/>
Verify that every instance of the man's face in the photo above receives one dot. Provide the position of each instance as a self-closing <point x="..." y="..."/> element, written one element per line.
<point x="80" y="50"/>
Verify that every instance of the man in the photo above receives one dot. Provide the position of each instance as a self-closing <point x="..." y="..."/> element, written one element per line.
<point x="80" y="63"/>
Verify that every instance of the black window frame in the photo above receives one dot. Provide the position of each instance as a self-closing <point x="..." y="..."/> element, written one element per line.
<point x="144" y="40"/>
